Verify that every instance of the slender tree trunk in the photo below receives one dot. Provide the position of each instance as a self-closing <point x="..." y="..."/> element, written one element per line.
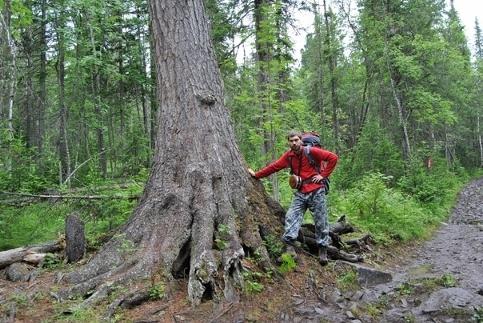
<point x="399" y="105"/>
<point x="10" y="67"/>
<point x="264" y="50"/>
<point x="192" y="195"/>
<point x="64" y="152"/>
<point x="319" y="82"/>
<point x="29" y="115"/>
<point x="480" y="142"/>
<point x="42" y="97"/>
<point x="96" y="87"/>
<point x="142" y="65"/>
<point x="332" y="64"/>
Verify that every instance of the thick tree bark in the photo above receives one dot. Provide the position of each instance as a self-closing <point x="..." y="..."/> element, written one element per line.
<point x="198" y="180"/>
<point x="152" y="93"/>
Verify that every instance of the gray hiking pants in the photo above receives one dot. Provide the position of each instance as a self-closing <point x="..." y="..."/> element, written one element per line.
<point x="315" y="201"/>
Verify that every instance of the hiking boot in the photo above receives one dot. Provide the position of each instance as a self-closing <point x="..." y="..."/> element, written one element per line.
<point x="290" y="247"/>
<point x="323" y="256"/>
<point x="291" y="251"/>
<point x="294" y="243"/>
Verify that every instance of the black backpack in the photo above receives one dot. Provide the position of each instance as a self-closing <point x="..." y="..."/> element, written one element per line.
<point x="311" y="139"/>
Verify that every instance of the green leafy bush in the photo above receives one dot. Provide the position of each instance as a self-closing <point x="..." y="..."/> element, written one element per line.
<point x="274" y="246"/>
<point x="156" y="291"/>
<point x="385" y="212"/>
<point x="435" y="185"/>
<point x="252" y="282"/>
<point x="374" y="152"/>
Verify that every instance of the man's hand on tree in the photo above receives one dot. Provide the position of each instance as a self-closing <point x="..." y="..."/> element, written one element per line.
<point x="252" y="173"/>
<point x="317" y="179"/>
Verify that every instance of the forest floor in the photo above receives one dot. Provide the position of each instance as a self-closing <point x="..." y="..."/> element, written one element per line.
<point x="440" y="280"/>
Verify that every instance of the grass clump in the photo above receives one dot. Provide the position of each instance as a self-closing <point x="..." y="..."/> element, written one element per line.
<point x="288" y="263"/>
<point x="348" y="281"/>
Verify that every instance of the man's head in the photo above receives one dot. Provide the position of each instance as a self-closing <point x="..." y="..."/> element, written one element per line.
<point x="294" y="140"/>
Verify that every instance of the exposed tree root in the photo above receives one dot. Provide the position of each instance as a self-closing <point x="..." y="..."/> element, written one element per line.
<point x="129" y="300"/>
<point x="188" y="245"/>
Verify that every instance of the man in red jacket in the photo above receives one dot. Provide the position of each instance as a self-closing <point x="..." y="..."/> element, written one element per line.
<point x="310" y="195"/>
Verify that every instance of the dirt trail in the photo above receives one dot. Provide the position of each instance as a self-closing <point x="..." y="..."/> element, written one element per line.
<point x="443" y="280"/>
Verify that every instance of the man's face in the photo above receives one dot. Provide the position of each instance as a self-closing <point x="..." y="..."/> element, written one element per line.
<point x="295" y="143"/>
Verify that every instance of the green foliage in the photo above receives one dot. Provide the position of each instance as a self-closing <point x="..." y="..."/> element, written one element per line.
<point x="385" y="212"/>
<point x="31" y="224"/>
<point x="274" y="246"/>
<point x="221" y="236"/>
<point x="348" y="280"/>
<point x="405" y="289"/>
<point x="374" y="152"/>
<point x="18" y="171"/>
<point x="433" y="185"/>
<point x="45" y="221"/>
<point x="288" y="263"/>
<point x="478" y="315"/>
<point x="447" y="280"/>
<point x="156" y="291"/>
<point x="252" y="281"/>
<point x="51" y="261"/>
<point x="21" y="299"/>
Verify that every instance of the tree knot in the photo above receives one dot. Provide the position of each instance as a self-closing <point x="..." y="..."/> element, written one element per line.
<point x="206" y="98"/>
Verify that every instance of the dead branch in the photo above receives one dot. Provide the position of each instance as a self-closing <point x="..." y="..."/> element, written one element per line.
<point x="28" y="197"/>
<point x="11" y="256"/>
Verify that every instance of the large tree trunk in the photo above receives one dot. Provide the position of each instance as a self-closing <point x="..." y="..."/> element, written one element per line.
<point x="198" y="181"/>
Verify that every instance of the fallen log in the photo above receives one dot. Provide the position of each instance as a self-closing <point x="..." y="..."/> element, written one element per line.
<point x="335" y="251"/>
<point x="11" y="256"/>
<point x="362" y="243"/>
<point x="60" y="196"/>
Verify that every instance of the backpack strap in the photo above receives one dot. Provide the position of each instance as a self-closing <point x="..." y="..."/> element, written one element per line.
<point x="291" y="166"/>
<point x="311" y="159"/>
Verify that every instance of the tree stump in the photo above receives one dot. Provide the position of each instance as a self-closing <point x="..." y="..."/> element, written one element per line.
<point x="74" y="238"/>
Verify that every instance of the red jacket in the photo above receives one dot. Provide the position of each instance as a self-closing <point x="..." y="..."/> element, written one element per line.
<point x="306" y="170"/>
